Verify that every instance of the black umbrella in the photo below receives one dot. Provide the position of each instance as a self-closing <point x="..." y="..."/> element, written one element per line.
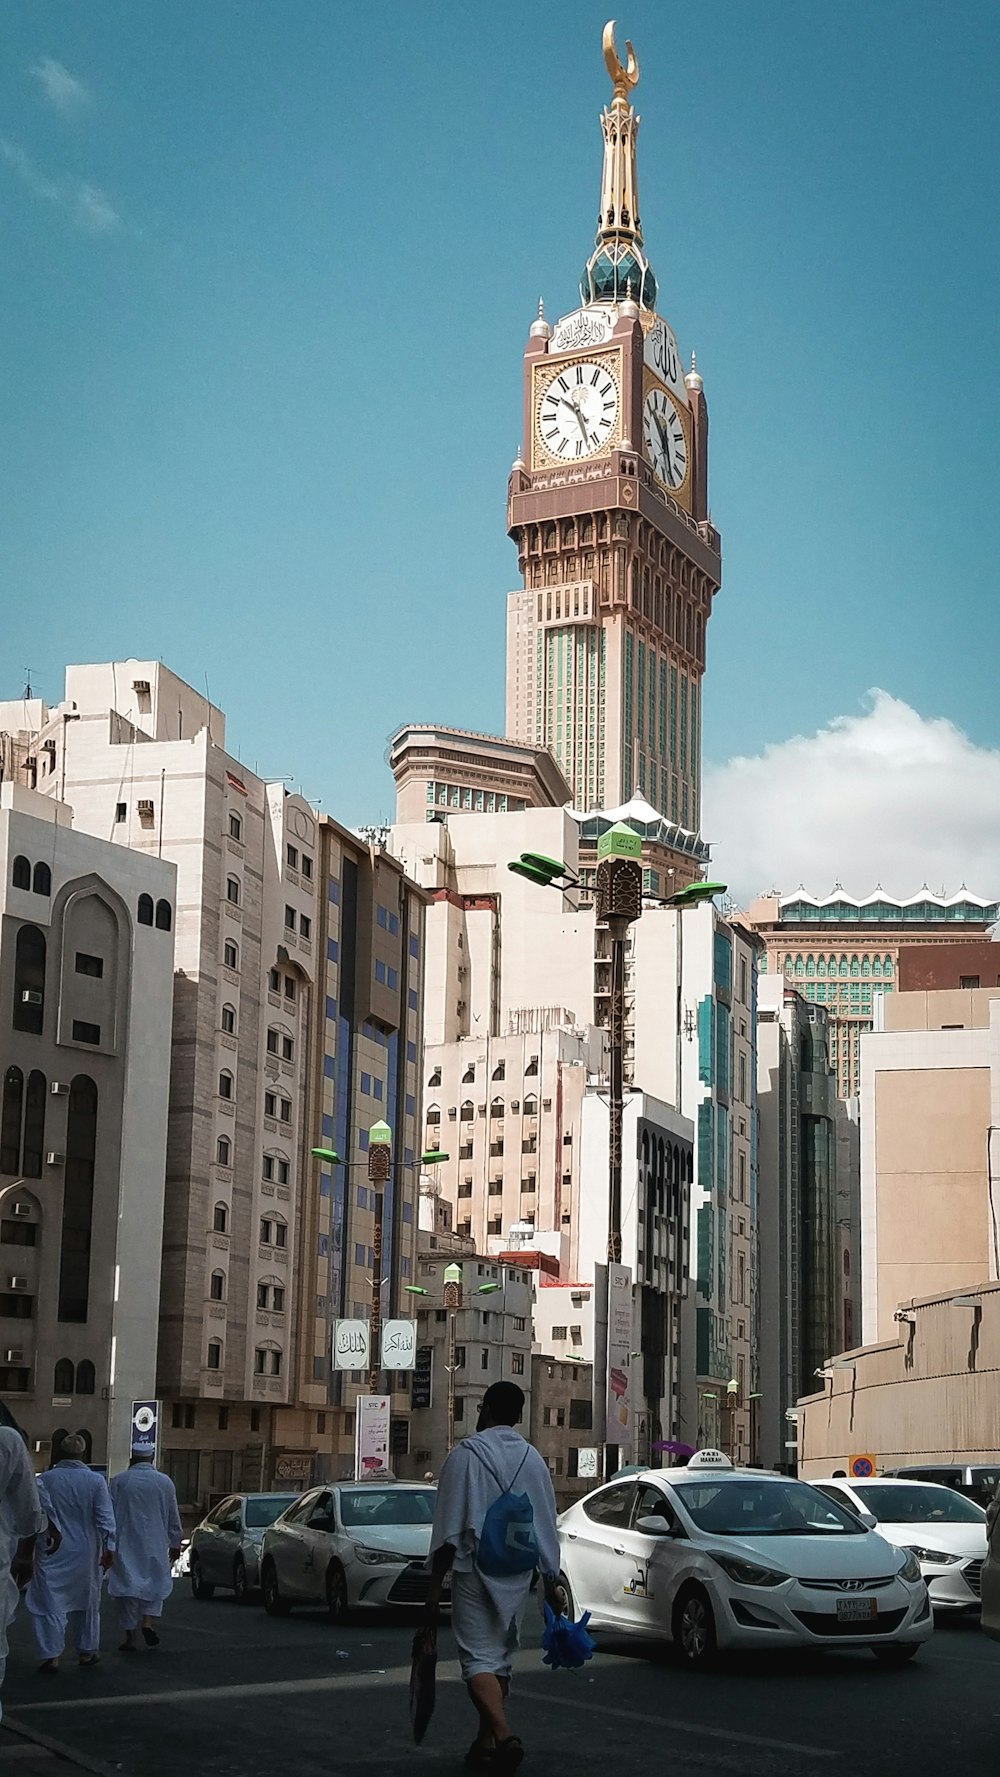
<point x="423" y="1668"/>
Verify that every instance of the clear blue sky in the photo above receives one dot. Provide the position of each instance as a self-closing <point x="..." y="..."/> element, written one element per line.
<point x="267" y="272"/>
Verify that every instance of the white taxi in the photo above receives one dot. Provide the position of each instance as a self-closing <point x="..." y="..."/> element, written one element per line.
<point x="710" y="1556"/>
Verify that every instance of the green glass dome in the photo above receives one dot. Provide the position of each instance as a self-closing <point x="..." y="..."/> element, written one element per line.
<point x="615" y="271"/>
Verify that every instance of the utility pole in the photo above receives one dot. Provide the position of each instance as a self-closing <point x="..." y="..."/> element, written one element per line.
<point x="379" y="1168"/>
<point x="452" y="1302"/>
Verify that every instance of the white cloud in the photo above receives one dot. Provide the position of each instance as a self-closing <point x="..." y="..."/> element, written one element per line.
<point x="887" y="796"/>
<point x="64" y="92"/>
<point x="94" y="212"/>
<point x="30" y="176"/>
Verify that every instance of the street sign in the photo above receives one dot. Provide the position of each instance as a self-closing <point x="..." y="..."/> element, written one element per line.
<point x="293" y="1468"/>
<point x="619" y="1402"/>
<point x="399" y="1344"/>
<point x="371" y="1444"/>
<point x="145" y="1428"/>
<point x="586" y="1464"/>
<point x="350" y="1345"/>
<point x="423" y="1369"/>
<point x="861" y="1468"/>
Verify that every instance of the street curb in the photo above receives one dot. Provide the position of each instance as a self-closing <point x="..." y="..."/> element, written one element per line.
<point x="59" y="1749"/>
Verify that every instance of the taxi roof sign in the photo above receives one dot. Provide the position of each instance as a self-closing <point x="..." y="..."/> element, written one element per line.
<point x="709" y="1459"/>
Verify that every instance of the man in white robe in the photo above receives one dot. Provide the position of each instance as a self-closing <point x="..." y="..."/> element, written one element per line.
<point x="486" y="1609"/>
<point x="22" y="1521"/>
<point x="66" y="1585"/>
<point x="148" y="1533"/>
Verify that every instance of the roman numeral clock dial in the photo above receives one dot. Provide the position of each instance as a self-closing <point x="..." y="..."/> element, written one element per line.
<point x="666" y="440"/>
<point x="578" y="411"/>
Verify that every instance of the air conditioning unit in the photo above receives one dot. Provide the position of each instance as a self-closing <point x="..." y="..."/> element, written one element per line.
<point x="546" y="1104"/>
<point x="17" y="1283"/>
<point x="54" y="1158"/>
<point x="59" y="1088"/>
<point x="142" y="686"/>
<point x="146" y="806"/>
<point x="30" y="998"/>
<point x="482" y="1110"/>
<point x="20" y="1209"/>
<point x="452" y="1114"/>
<point x="515" y="1104"/>
<point x="13" y="1356"/>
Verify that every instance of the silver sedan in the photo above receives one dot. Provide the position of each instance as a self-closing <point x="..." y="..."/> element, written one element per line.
<point x="350" y="1545"/>
<point x="225" y="1546"/>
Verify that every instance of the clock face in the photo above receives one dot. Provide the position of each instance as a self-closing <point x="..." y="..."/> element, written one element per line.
<point x="666" y="441"/>
<point x="578" y="411"/>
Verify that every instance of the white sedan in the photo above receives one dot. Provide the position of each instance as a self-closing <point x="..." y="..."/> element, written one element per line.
<point x="710" y="1557"/>
<point x="350" y="1545"/>
<point x="946" y="1531"/>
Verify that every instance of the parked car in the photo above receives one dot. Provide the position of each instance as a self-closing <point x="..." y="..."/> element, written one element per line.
<point x="225" y="1546"/>
<point x="977" y="1480"/>
<point x="352" y="1545"/>
<point x="945" y="1530"/>
<point x="990" y="1618"/>
<point x="710" y="1556"/>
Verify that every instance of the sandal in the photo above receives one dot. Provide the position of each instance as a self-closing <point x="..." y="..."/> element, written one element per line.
<point x="89" y="1660"/>
<point x="479" y="1755"/>
<point x="150" y="1637"/>
<point x="506" y="1757"/>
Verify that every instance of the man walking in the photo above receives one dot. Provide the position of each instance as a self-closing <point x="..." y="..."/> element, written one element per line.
<point x="66" y="1584"/>
<point x="22" y="1521"/>
<point x="494" y="1527"/>
<point x="148" y="1533"/>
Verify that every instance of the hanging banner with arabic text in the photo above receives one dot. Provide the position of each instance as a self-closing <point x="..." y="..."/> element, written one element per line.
<point x="350" y="1345"/>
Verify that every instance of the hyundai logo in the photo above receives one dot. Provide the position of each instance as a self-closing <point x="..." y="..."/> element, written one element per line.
<point x="851" y="1585"/>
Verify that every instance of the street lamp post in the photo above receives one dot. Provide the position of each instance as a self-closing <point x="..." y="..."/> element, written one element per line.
<point x="452" y="1302"/>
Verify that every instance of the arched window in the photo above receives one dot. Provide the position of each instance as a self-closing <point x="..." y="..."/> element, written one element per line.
<point x="531" y="1105"/>
<point x="164" y="916"/>
<point x="86" y="1377"/>
<point x="62" y="1377"/>
<point x="467" y="1111"/>
<point x="223" y="1151"/>
<point x="496" y="1107"/>
<point x="229" y="1020"/>
<point x="78" y="1200"/>
<point x="10" y="1121"/>
<point x="29" y="980"/>
<point x="20" y="875"/>
<point x="42" y="881"/>
<point x="144" y="912"/>
<point x="433" y="1114"/>
<point x="214" y="1354"/>
<point x="233" y="890"/>
<point x="225" y="1084"/>
<point x="220" y="1219"/>
<point x="231" y="954"/>
<point x="217" y="1286"/>
<point x="267" y="1360"/>
<point x="34" y="1125"/>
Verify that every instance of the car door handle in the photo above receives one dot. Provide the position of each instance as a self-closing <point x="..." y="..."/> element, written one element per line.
<point x="571" y="1536"/>
<point x="618" y="1551"/>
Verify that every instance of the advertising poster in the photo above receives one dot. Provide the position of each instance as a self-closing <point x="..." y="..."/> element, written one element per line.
<point x="145" y="1428"/>
<point x="371" y="1446"/>
<point x="620" y="1408"/>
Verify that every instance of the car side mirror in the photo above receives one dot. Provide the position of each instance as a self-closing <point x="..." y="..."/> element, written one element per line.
<point x="656" y="1526"/>
<point x="868" y="1519"/>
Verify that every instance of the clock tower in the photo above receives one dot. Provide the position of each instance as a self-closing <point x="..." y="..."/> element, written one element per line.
<point x="608" y="506"/>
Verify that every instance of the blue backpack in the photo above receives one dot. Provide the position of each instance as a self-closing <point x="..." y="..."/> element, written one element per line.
<point x="507" y="1543"/>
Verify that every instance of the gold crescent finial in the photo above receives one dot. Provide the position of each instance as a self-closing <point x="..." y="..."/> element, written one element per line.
<point x="624" y="78"/>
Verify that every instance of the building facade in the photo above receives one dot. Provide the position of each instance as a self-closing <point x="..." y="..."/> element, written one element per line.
<point x="437" y="768"/>
<point x="86" y="987"/>
<point x="843" y="953"/>
<point x="491" y="1342"/>
<point x="608" y="508"/>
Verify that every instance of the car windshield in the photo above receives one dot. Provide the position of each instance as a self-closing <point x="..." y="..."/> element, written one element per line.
<point x="919" y="1504"/>
<point x="374" y="1506"/>
<point x="262" y="1512"/>
<point x="764" y="1508"/>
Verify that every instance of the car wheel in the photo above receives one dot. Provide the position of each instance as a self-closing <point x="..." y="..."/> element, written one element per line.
<point x="336" y="1592"/>
<point x="570" y="1601"/>
<point x="274" y="1604"/>
<point x="200" y="1587"/>
<point x="694" y="1627"/>
<point x="241" y="1585"/>
<point x="898" y="1653"/>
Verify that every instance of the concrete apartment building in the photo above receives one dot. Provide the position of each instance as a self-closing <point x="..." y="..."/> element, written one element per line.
<point x="87" y="934"/>
<point x="845" y="953"/>
<point x="296" y="1021"/>
<point x="808" y="1210"/>
<point x="437" y="768"/>
<point x="930" y="1150"/>
<point x="492" y="1343"/>
<point x="562" y="1423"/>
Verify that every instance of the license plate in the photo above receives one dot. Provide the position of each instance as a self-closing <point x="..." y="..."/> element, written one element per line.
<point x="856" y="1610"/>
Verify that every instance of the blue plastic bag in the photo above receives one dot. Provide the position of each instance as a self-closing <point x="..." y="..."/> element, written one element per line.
<point x="566" y="1643"/>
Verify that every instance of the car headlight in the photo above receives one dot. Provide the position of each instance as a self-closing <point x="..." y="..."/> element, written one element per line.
<point x="940" y="1557"/>
<point x="910" y="1569"/>
<point x="378" y="1557"/>
<point x="747" y="1573"/>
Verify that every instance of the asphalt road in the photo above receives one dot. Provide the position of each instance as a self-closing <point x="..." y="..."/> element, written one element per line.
<point x="233" y="1693"/>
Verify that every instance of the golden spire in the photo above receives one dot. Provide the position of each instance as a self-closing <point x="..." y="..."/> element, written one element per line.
<point x="618" y="257"/>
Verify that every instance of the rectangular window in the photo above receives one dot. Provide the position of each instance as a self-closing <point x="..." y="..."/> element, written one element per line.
<point x="85" y="1033"/>
<point x="262" y="1295"/>
<point x="278" y="1299"/>
<point x="412" y="1000"/>
<point x="414" y="945"/>
<point x="382" y="917"/>
<point x="270" y="1105"/>
<point x="268" y="1166"/>
<point x="235" y="827"/>
<point x="280" y="1234"/>
<point x="289" y="919"/>
<point x="291" y="853"/>
<point x="272" y="1042"/>
<point x="89" y="965"/>
<point x="274" y="980"/>
<point x="517" y="1364"/>
<point x="380" y="972"/>
<point x="332" y="950"/>
<point x="307" y="866"/>
<point x="558" y="1332"/>
<point x="121" y="810"/>
<point x="305" y="926"/>
<point x="287" y="1048"/>
<point x="285" y="1110"/>
<point x="230" y="956"/>
<point x="393" y="980"/>
<point x="366" y="1085"/>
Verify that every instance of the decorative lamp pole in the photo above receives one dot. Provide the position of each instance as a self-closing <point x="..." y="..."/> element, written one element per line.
<point x="619" y="903"/>
<point x="379" y="1168"/>
<point x="452" y="1302"/>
